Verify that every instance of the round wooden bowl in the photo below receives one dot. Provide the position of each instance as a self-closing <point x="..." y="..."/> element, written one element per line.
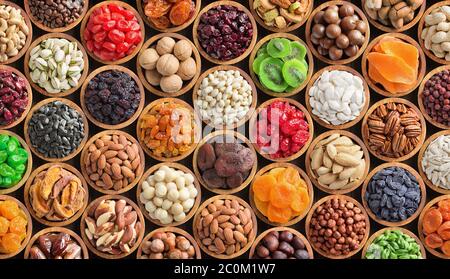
<point x="429" y="205"/>
<point x="303" y="175"/>
<point x="43" y="220"/>
<point x="313" y="177"/>
<point x="71" y="105"/>
<point x="346" y="125"/>
<point x="226" y="68"/>
<point x="251" y="238"/>
<point x="309" y="25"/>
<point x="125" y="6"/>
<point x="29" y="164"/>
<point x="420" y="166"/>
<point x="210" y="138"/>
<point x="59" y="36"/>
<point x="365" y="129"/>
<point x="423" y="193"/>
<point x="85" y="152"/>
<point x="29" y="37"/>
<point x="187" y="85"/>
<point x="234" y="60"/>
<point x="196" y="128"/>
<point x="175" y="166"/>
<point x="287" y="29"/>
<point x="140" y="8"/>
<point x="420" y="96"/>
<point x="322" y="201"/>
<point x="29" y="227"/>
<point x="40" y="25"/>
<point x="73" y="235"/>
<point x="281" y="229"/>
<point x="387" y="29"/>
<point x="405" y="231"/>
<point x="140" y="233"/>
<point x="176" y="231"/>
<point x="255" y="78"/>
<point x="421" y="26"/>
<point x="112" y="68"/>
<point x="253" y="122"/>
<point x="365" y="64"/>
<point x="30" y="96"/>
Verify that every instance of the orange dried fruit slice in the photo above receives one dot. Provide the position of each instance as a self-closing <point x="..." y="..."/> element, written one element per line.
<point x="4" y="225"/>
<point x="261" y="206"/>
<point x="446" y="248"/>
<point x="18" y="225"/>
<point x="389" y="86"/>
<point x="10" y="243"/>
<point x="263" y="185"/>
<point x="180" y="12"/>
<point x="432" y="220"/>
<point x="377" y="47"/>
<point x="279" y="215"/>
<point x="444" y="208"/>
<point x="444" y="231"/>
<point x="392" y="68"/>
<point x="9" y="209"/>
<point x="300" y="201"/>
<point x="281" y="195"/>
<point x="277" y="172"/>
<point x="403" y="50"/>
<point x="433" y="241"/>
<point x="290" y="175"/>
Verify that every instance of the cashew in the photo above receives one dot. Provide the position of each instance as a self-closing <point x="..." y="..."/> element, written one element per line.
<point x="443" y="26"/>
<point x="439" y="37"/>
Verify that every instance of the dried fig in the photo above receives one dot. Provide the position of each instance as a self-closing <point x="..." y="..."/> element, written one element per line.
<point x="248" y="159"/>
<point x="235" y="180"/>
<point x="222" y="148"/>
<point x="212" y="179"/>
<point x="206" y="157"/>
<point x="228" y="164"/>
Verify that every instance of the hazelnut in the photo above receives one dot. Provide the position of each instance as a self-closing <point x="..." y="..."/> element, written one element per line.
<point x="157" y="246"/>
<point x="182" y="50"/>
<point x="171" y="84"/>
<point x="187" y="69"/>
<point x="361" y="26"/>
<point x="183" y="244"/>
<point x="318" y="18"/>
<point x="356" y="37"/>
<point x="148" y="59"/>
<point x="165" y="45"/>
<point x="167" y="65"/>
<point x="351" y="51"/>
<point x="175" y="254"/>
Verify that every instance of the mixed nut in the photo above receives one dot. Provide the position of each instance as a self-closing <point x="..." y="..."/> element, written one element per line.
<point x="168" y="245"/>
<point x="13" y="32"/>
<point x="56" y="246"/>
<point x="282" y="13"/>
<point x="435" y="33"/>
<point x="281" y="245"/>
<point x="395" y="13"/>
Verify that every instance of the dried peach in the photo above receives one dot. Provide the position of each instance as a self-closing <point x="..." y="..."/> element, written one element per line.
<point x="279" y="215"/>
<point x="4" y="226"/>
<point x="262" y="187"/>
<point x="9" y="209"/>
<point x="281" y="195"/>
<point x="10" y="243"/>
<point x="433" y="241"/>
<point x="432" y="220"/>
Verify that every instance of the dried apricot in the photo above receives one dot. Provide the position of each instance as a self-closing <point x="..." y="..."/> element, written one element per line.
<point x="433" y="241"/>
<point x="180" y="12"/>
<point x="281" y="195"/>
<point x="444" y="208"/>
<point x="261" y="206"/>
<point x="157" y="8"/>
<point x="4" y="226"/>
<point x="279" y="215"/>
<point x="262" y="187"/>
<point x="446" y="248"/>
<point x="444" y="231"/>
<point x="18" y="225"/>
<point x="161" y="22"/>
<point x="10" y="243"/>
<point x="300" y="200"/>
<point x="432" y="220"/>
<point x="290" y="175"/>
<point x="276" y="172"/>
<point x="9" y="209"/>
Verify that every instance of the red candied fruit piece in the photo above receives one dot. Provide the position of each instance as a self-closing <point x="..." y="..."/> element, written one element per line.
<point x="123" y="25"/>
<point x="113" y="8"/>
<point x="134" y="26"/>
<point x="109" y="25"/>
<point x="117" y="16"/>
<point x="116" y="36"/>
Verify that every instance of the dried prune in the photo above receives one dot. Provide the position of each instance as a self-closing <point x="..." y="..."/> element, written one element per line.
<point x="248" y="159"/>
<point x="212" y="179"/>
<point x="222" y="148"/>
<point x="228" y="164"/>
<point x="235" y="180"/>
<point x="206" y="157"/>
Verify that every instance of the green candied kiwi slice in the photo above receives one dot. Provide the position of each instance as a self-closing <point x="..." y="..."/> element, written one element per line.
<point x="257" y="62"/>
<point x="279" y="47"/>
<point x="305" y="63"/>
<point x="298" y="51"/>
<point x="294" y="72"/>
<point x="271" y="76"/>
<point x="262" y="50"/>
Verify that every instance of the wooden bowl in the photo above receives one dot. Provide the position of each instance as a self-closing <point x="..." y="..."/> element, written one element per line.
<point x="73" y="235"/>
<point x="176" y="231"/>
<point x="29" y="227"/>
<point x="423" y="192"/>
<point x="253" y="122"/>
<point x="112" y="68"/>
<point x="59" y="36"/>
<point x="226" y="68"/>
<point x="420" y="166"/>
<point x="125" y="6"/>
<point x="303" y="175"/>
<point x="30" y="96"/>
<point x="255" y="78"/>
<point x="140" y="8"/>
<point x="281" y="229"/>
<point x="405" y="231"/>
<point x="29" y="164"/>
<point x="29" y="37"/>
<point x="287" y="29"/>
<point x="85" y="152"/>
<point x="203" y="52"/>
<point x="365" y="129"/>
<point x="210" y="138"/>
<point x="140" y="233"/>
<point x="43" y="220"/>
<point x="175" y="166"/>
<point x="71" y="105"/>
<point x="187" y="85"/>
<point x="429" y="205"/>
<point x="322" y="201"/>
<point x="365" y="64"/>
<point x="196" y="123"/>
<point x="420" y="96"/>
<point x="387" y="29"/>
<point x="309" y="25"/>
<point x="313" y="177"/>
<point x="346" y="125"/>
<point x="251" y="238"/>
<point x="68" y="27"/>
<point x="421" y="26"/>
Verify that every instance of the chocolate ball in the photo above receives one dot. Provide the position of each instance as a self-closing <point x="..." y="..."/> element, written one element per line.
<point x="318" y="31"/>
<point x="346" y="10"/>
<point x="335" y="53"/>
<point x="348" y="23"/>
<point x="356" y="37"/>
<point x="331" y="16"/>
<point x="342" y="41"/>
<point x="333" y="31"/>
<point x="351" y="51"/>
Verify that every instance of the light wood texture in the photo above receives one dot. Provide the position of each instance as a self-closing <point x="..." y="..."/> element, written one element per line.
<point x="56" y="230"/>
<point x="187" y="85"/>
<point x="423" y="193"/>
<point x="378" y="87"/>
<point x="340" y="197"/>
<point x="222" y="135"/>
<point x="71" y="105"/>
<point x="43" y="220"/>
<point x="234" y="60"/>
<point x="85" y="153"/>
<point x="177" y="232"/>
<point x="311" y="174"/>
<point x="365" y="129"/>
<point x="135" y="114"/>
<point x="29" y="163"/>
<point x="303" y="175"/>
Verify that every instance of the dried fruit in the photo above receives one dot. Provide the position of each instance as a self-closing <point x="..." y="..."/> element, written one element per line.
<point x="13" y="226"/>
<point x="432" y="220"/>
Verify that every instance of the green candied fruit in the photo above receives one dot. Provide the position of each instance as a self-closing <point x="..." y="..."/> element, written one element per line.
<point x="6" y="182"/>
<point x="4" y="142"/>
<point x="394" y="244"/>
<point x="20" y="169"/>
<point x="3" y="156"/>
<point x="6" y="171"/>
<point x="12" y="146"/>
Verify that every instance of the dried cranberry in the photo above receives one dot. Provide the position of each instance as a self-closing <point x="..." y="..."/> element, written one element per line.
<point x="13" y="97"/>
